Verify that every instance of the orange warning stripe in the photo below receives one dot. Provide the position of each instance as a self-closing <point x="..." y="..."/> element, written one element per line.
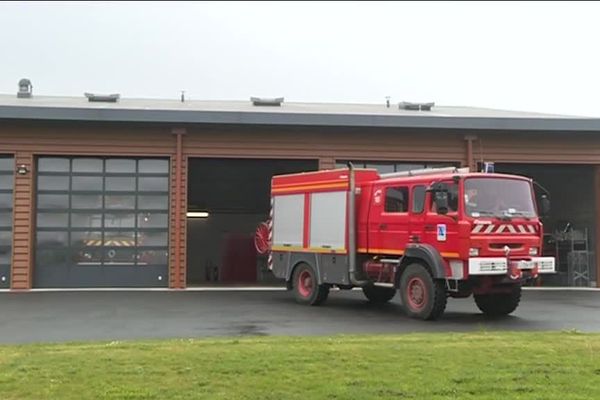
<point x="382" y="251"/>
<point x="285" y="185"/>
<point x="308" y="249"/>
<point x="401" y="252"/>
<point x="341" y="185"/>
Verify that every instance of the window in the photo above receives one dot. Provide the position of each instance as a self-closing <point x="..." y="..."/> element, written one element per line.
<point x="418" y="204"/>
<point x="396" y="199"/>
<point x="496" y="196"/>
<point x="452" y="197"/>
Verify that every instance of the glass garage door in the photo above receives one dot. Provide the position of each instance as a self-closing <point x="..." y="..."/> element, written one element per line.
<point x="6" y="204"/>
<point x="102" y="222"/>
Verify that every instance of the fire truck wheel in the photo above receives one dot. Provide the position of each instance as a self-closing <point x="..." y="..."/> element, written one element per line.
<point x="498" y="304"/>
<point x="377" y="294"/>
<point x="422" y="296"/>
<point x="306" y="287"/>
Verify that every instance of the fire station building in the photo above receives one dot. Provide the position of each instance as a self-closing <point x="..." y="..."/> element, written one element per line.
<point x="103" y="191"/>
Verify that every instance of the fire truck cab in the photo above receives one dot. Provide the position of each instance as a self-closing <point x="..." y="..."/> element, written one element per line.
<point x="428" y="234"/>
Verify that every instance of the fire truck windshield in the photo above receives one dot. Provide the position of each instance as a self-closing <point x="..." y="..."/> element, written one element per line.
<point x="498" y="197"/>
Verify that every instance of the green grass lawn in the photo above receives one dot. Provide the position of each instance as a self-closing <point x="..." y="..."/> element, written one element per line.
<point x="532" y="365"/>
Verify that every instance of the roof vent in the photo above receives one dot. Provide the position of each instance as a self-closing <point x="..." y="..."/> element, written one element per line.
<point x="102" y="98"/>
<point x="405" y="105"/>
<point x="262" y="101"/>
<point x="25" y="89"/>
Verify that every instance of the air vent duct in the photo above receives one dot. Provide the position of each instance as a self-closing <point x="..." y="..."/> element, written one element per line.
<point x="25" y="89"/>
<point x="262" y="101"/>
<point x="405" y="105"/>
<point x="102" y="98"/>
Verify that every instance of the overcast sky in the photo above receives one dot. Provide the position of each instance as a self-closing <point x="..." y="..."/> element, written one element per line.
<point x="522" y="56"/>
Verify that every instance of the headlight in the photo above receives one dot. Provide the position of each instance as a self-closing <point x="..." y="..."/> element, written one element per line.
<point x="473" y="252"/>
<point x="533" y="251"/>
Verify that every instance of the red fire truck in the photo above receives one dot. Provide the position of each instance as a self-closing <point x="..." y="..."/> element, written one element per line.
<point x="429" y="234"/>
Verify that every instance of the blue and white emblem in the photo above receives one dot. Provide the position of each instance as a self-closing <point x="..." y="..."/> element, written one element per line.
<point x="441" y="232"/>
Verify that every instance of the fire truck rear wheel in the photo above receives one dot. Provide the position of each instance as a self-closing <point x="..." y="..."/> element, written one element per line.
<point x="498" y="304"/>
<point x="306" y="286"/>
<point x="422" y="296"/>
<point x="378" y="294"/>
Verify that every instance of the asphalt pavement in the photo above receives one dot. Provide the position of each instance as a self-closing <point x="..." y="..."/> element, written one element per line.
<point x="81" y="316"/>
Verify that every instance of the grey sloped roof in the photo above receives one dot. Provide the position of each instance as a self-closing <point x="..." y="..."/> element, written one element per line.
<point x="317" y="114"/>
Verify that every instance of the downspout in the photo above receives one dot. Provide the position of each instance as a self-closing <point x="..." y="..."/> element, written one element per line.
<point x="352" y="270"/>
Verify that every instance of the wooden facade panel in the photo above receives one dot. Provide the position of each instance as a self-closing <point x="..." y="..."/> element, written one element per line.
<point x="178" y="220"/>
<point x="22" y="229"/>
<point x="538" y="148"/>
<point x="22" y="207"/>
<point x="89" y="139"/>
<point x="342" y="144"/>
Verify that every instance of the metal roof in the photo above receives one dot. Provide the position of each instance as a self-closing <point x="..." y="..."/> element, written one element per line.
<point x="301" y="114"/>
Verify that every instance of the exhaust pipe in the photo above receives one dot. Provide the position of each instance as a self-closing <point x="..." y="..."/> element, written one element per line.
<point x="352" y="270"/>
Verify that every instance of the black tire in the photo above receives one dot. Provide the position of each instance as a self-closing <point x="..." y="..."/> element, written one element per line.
<point x="499" y="304"/>
<point x="422" y="296"/>
<point x="306" y="287"/>
<point x="378" y="294"/>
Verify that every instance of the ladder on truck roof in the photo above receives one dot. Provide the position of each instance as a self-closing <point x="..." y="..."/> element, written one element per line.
<point x="425" y="171"/>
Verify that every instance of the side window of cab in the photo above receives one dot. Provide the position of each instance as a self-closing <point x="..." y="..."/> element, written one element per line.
<point x="418" y="199"/>
<point x="452" y="198"/>
<point x="396" y="199"/>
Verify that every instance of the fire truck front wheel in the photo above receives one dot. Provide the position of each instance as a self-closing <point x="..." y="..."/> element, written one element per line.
<point x="422" y="296"/>
<point x="306" y="286"/>
<point x="499" y="304"/>
<point x="377" y="294"/>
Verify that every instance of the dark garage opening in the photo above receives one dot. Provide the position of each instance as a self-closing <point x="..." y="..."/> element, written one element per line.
<point x="233" y="196"/>
<point x="569" y="229"/>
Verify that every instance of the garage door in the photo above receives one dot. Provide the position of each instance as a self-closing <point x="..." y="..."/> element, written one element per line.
<point x="102" y="222"/>
<point x="6" y="204"/>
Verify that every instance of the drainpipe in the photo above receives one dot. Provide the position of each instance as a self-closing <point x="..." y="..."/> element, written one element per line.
<point x="352" y="270"/>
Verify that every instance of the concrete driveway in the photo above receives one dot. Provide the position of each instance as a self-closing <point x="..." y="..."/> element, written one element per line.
<point x="79" y="316"/>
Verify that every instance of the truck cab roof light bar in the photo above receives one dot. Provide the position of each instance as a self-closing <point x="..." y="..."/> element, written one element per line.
<point x="426" y="171"/>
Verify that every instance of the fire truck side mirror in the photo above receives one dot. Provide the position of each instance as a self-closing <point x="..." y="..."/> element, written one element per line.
<point x="544" y="205"/>
<point x="440" y="197"/>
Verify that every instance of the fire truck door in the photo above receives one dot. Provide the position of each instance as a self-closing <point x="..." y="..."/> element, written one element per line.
<point x="418" y="198"/>
<point x="390" y="222"/>
<point x="439" y="230"/>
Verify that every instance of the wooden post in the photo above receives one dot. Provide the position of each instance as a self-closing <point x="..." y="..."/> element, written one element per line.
<point x="178" y="281"/>
<point x="470" y="158"/>
<point x="23" y="223"/>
